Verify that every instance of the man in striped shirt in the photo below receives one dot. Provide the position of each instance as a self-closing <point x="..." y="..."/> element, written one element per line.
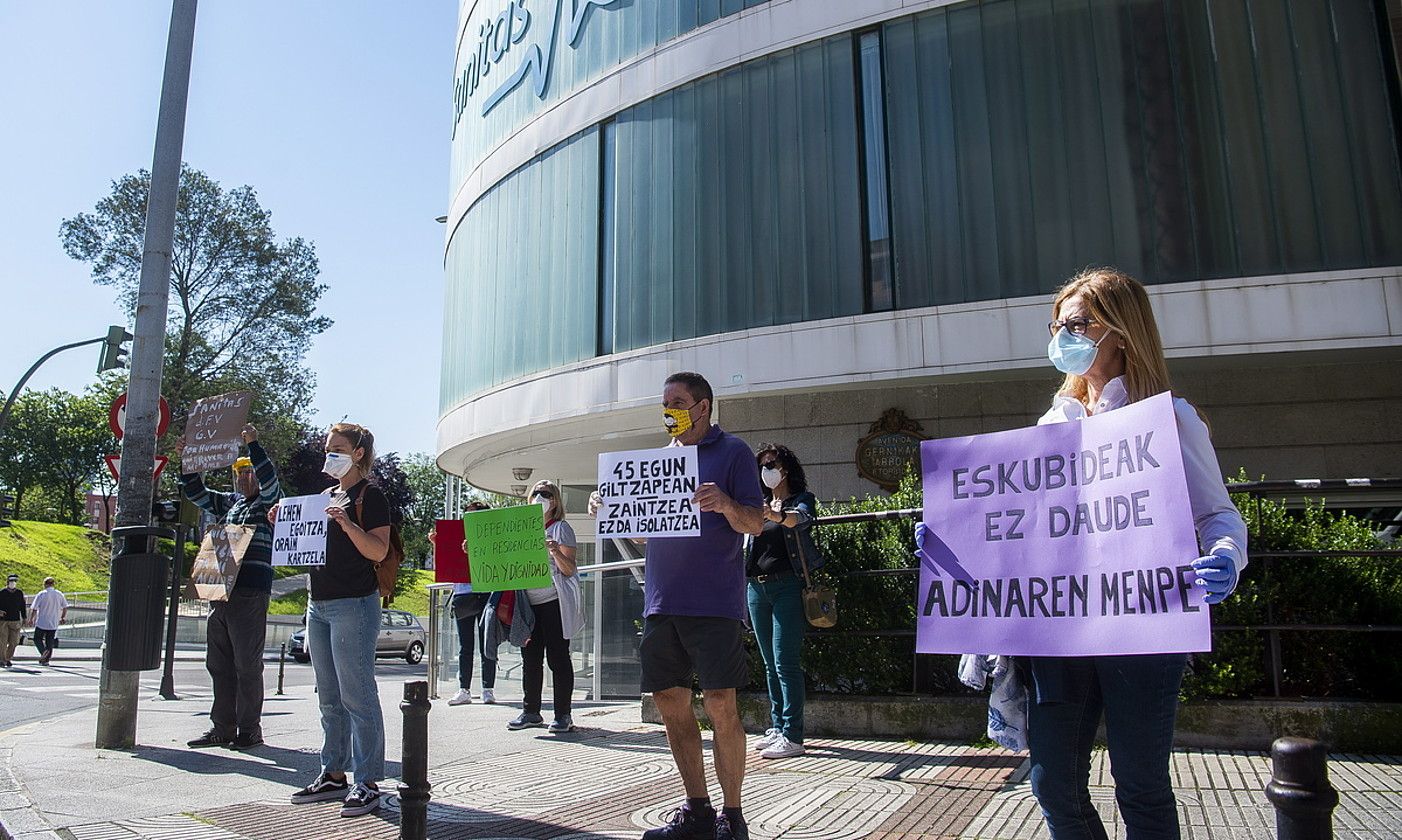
<point x="237" y="628"/>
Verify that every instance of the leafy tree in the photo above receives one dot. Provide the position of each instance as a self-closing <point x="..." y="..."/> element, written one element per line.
<point x="427" y="482"/>
<point x="51" y="453"/>
<point x="242" y="305"/>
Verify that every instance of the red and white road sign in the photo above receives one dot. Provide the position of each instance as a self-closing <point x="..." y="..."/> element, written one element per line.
<point x="114" y="465"/>
<point x="117" y="418"/>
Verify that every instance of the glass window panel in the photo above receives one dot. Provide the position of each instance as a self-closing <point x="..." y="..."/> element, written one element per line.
<point x="737" y="218"/>
<point x="907" y="155"/>
<point x="979" y="222"/>
<point x="1371" y="127"/>
<point x="608" y="277"/>
<point x="1117" y="98"/>
<point x="1326" y="133"/>
<point x="877" y="201"/>
<point x="1049" y="180"/>
<point x="1210" y="203"/>
<point x="843" y="155"/>
<point x="1241" y="116"/>
<point x="685" y="195"/>
<point x="764" y="192"/>
<point x="707" y="11"/>
<point x="1007" y="127"/>
<point x="793" y="272"/>
<point x="1290" y="166"/>
<point x="1165" y="218"/>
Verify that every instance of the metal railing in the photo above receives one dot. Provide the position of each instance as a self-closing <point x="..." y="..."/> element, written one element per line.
<point x="1355" y="489"/>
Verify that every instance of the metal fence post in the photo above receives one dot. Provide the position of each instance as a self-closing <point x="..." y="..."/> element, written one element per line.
<point x="414" y="790"/>
<point x="1300" y="791"/>
<point x="281" y="665"/>
<point x="177" y="562"/>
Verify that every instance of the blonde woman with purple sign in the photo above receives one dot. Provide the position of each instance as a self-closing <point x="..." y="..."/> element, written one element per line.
<point x="1104" y="339"/>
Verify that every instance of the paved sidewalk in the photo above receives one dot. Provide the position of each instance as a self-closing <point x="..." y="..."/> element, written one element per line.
<point x="611" y="779"/>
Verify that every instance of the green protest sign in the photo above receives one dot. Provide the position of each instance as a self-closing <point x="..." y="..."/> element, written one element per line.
<point x="506" y="548"/>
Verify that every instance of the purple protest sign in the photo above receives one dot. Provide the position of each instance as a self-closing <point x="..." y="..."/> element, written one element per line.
<point x="1069" y="539"/>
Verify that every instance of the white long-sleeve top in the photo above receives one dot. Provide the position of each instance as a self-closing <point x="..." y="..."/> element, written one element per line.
<point x="1219" y="524"/>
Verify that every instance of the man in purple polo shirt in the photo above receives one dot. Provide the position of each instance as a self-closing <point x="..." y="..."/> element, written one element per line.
<point x="694" y="612"/>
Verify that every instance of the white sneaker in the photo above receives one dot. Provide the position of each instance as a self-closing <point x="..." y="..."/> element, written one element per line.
<point x="767" y="739"/>
<point x="782" y="748"/>
<point x="462" y="698"/>
<point x="489" y="696"/>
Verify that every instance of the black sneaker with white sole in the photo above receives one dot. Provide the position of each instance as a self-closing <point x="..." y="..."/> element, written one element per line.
<point x="526" y="720"/>
<point x="324" y="789"/>
<point x="361" y="800"/>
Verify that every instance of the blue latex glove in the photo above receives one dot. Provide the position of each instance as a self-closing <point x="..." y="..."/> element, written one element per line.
<point x="1217" y="573"/>
<point x="921" y="531"/>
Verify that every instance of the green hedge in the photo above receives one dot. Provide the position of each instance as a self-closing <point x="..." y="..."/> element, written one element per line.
<point x="864" y="656"/>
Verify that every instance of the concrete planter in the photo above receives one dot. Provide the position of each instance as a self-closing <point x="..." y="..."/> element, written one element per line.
<point x="1218" y="724"/>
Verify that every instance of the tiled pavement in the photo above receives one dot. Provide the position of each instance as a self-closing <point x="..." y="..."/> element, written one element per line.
<point x="612" y="779"/>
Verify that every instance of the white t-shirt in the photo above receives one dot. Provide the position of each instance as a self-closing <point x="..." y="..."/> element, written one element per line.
<point x="562" y="533"/>
<point x="48" y="608"/>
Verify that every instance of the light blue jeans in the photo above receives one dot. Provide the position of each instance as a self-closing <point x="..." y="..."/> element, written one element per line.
<point x="776" y="613"/>
<point x="341" y="636"/>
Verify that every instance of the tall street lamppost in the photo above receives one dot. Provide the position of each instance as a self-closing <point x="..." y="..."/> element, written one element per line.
<point x="117" y="689"/>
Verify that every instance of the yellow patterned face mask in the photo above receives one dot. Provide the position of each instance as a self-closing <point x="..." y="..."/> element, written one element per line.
<point x="676" y="420"/>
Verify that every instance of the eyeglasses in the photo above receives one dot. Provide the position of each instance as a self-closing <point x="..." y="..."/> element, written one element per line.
<point x="544" y="494"/>
<point x="1077" y="326"/>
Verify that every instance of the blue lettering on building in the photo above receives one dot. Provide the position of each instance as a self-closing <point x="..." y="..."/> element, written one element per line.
<point x="495" y="38"/>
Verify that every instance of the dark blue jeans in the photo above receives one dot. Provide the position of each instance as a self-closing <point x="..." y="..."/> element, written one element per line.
<point x="776" y="613"/>
<point x="1139" y="698"/>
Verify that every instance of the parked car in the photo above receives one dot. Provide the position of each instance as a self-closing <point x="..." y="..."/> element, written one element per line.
<point x="401" y="634"/>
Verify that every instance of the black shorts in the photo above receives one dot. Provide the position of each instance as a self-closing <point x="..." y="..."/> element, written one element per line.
<point x="675" y="647"/>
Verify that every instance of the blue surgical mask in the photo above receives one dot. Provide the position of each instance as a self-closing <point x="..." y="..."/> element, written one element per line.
<point x="1071" y="353"/>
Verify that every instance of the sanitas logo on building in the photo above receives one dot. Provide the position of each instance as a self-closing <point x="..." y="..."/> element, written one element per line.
<point x="499" y="42"/>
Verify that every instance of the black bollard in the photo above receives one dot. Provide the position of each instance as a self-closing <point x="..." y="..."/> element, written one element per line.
<point x="413" y="774"/>
<point x="173" y="616"/>
<point x="1300" y="791"/>
<point x="281" y="665"/>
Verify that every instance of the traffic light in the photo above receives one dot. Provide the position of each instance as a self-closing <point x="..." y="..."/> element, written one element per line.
<point x="163" y="511"/>
<point x="114" y="355"/>
<point x="6" y="500"/>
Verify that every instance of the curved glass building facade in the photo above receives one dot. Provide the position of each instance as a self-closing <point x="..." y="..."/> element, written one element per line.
<point x="832" y="209"/>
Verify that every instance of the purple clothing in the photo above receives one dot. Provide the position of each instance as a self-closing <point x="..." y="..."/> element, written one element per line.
<point x="705" y="575"/>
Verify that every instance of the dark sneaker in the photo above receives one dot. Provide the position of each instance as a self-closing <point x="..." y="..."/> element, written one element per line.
<point x="361" y="800"/>
<point x="212" y="738"/>
<point x="526" y="720"/>
<point x="728" y="829"/>
<point x="686" y="822"/>
<point x="324" y="789"/>
<point x="564" y="723"/>
<point x="246" y="740"/>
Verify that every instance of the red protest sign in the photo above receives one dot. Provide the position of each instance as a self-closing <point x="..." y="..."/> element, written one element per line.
<point x="449" y="560"/>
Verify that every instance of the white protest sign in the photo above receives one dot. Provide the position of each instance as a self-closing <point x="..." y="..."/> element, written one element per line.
<point x="648" y="492"/>
<point x="299" y="534"/>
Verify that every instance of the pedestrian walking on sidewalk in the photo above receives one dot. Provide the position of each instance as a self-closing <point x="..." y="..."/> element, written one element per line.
<point x="1106" y="342"/>
<point x="558" y="617"/>
<point x="694" y="612"/>
<point x="237" y="628"/>
<point x="343" y="624"/>
<point x="47" y="612"/>
<point x="467" y="612"/>
<point x="12" y="615"/>
<point x="775" y="567"/>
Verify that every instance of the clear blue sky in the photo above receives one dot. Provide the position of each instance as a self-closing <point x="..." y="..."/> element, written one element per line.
<point x="338" y="114"/>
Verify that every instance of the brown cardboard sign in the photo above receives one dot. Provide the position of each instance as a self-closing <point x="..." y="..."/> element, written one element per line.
<point x="212" y="434"/>
<point x="217" y="565"/>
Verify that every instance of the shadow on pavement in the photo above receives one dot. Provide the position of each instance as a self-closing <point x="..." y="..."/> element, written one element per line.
<point x="269" y="763"/>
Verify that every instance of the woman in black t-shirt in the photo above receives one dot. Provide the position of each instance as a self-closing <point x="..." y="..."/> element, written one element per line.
<point x="343" y="624"/>
<point x="775" y="594"/>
